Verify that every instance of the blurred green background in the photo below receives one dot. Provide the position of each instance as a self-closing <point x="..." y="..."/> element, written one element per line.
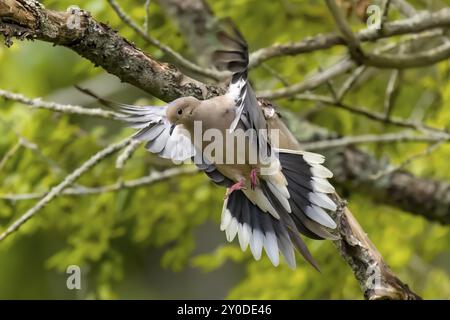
<point x="164" y="241"/>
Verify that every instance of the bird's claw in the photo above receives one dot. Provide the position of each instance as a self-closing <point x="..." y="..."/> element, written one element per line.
<point x="237" y="186"/>
<point x="254" y="178"/>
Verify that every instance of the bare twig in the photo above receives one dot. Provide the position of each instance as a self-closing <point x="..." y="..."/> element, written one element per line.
<point x="310" y="82"/>
<point x="155" y="176"/>
<point x="350" y="82"/>
<point x="404" y="7"/>
<point x="351" y="40"/>
<point x="339" y="68"/>
<point x="399" y="61"/>
<point x="53" y="106"/>
<point x="409" y="11"/>
<point x="331" y="88"/>
<point x="374" y="138"/>
<point x="275" y="74"/>
<point x="380" y="117"/>
<point x="384" y="16"/>
<point x="415" y="24"/>
<point x="70" y="179"/>
<point x="127" y="153"/>
<point x="147" y="15"/>
<point x="429" y="150"/>
<point x="33" y="147"/>
<point x="391" y="92"/>
<point x="422" y="105"/>
<point x="10" y="153"/>
<point x="404" y="61"/>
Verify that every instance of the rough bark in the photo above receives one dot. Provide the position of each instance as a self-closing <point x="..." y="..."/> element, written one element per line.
<point x="100" y="44"/>
<point x="375" y="278"/>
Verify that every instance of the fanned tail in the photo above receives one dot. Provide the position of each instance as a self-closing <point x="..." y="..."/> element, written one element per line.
<point x="306" y="192"/>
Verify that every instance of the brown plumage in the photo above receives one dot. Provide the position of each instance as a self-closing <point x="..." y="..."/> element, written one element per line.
<point x="264" y="208"/>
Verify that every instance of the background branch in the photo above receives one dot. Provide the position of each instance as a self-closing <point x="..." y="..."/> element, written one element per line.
<point x="153" y="177"/>
<point x="56" y="191"/>
<point x="101" y="45"/>
<point x="415" y="24"/>
<point x="58" y="107"/>
<point x="351" y="40"/>
<point x="176" y="57"/>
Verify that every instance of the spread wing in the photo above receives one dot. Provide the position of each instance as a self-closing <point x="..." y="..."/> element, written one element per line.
<point x="235" y="59"/>
<point x="154" y="129"/>
<point x="205" y="165"/>
<point x="296" y="194"/>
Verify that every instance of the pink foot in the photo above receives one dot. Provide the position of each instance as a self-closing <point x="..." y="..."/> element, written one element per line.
<point x="254" y="178"/>
<point x="237" y="186"/>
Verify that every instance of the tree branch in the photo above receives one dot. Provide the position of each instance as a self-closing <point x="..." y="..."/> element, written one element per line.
<point x="404" y="61"/>
<point x="386" y="61"/>
<point x="98" y="43"/>
<point x="310" y="82"/>
<point x="196" y="23"/>
<point x="416" y="24"/>
<point x="375" y="116"/>
<point x="53" y="106"/>
<point x="177" y="58"/>
<point x="10" y="153"/>
<point x="429" y="150"/>
<point x="373" y="138"/>
<point x="152" y="178"/>
<point x="350" y="39"/>
<point x="375" y="277"/>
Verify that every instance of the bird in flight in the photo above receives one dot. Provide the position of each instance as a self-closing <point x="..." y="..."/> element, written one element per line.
<point x="273" y="194"/>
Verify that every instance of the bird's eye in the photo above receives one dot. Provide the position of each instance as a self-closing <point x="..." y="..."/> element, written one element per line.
<point x="180" y="111"/>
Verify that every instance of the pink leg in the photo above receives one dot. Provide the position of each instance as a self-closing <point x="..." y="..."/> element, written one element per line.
<point x="254" y="178"/>
<point x="237" y="186"/>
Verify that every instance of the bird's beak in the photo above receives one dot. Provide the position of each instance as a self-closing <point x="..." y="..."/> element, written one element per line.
<point x="172" y="127"/>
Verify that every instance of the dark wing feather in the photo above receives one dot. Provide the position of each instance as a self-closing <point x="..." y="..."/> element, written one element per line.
<point x="210" y="170"/>
<point x="307" y="215"/>
<point x="235" y="58"/>
<point x="260" y="230"/>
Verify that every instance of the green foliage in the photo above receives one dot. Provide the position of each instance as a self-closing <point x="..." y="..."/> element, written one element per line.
<point x="113" y="236"/>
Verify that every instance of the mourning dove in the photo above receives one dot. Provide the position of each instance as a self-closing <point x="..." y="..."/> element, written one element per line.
<point x="265" y="208"/>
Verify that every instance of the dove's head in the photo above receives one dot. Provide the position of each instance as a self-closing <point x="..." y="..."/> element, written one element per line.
<point x="180" y="111"/>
